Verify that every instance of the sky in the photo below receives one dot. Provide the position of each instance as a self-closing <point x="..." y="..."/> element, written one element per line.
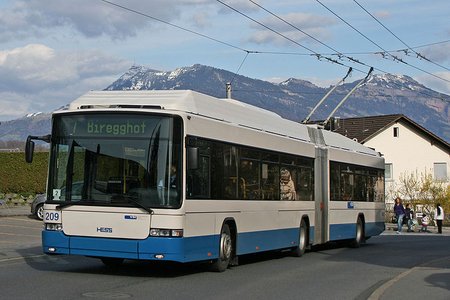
<point x="53" y="51"/>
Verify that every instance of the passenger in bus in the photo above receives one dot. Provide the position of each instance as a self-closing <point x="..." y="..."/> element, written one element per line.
<point x="379" y="189"/>
<point x="173" y="177"/>
<point x="287" y="187"/>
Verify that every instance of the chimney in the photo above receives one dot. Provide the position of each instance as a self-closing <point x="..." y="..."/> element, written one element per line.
<point x="228" y="88"/>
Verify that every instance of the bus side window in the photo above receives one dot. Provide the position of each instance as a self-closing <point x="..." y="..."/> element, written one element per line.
<point x="249" y="179"/>
<point x="198" y="180"/>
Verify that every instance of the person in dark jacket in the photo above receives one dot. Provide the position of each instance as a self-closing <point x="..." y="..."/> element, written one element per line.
<point x="399" y="211"/>
<point x="408" y="219"/>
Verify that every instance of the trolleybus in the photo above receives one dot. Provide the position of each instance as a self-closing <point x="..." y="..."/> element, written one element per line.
<point x="182" y="176"/>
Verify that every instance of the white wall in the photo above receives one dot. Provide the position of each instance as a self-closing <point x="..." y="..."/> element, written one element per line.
<point x="409" y="152"/>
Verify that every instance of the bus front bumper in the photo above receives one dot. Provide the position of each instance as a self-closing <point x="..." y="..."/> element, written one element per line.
<point x="152" y="248"/>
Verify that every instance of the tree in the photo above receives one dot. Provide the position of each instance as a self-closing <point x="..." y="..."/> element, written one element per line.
<point x="422" y="191"/>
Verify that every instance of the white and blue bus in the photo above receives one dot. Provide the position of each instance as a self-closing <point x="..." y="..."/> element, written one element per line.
<point x="182" y="176"/>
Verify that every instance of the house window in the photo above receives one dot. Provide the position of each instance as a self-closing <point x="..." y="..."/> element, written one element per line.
<point x="388" y="171"/>
<point x="396" y="131"/>
<point x="440" y="171"/>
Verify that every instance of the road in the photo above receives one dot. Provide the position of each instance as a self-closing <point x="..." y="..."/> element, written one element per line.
<point x="416" y="266"/>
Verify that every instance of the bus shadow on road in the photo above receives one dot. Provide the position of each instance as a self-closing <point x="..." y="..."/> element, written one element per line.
<point x="405" y="251"/>
<point x="90" y="265"/>
<point x="139" y="268"/>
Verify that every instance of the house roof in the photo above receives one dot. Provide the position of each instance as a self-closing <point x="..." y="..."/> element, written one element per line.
<point x="365" y="128"/>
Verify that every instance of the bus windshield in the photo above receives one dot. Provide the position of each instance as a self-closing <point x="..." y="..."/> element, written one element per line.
<point x="116" y="160"/>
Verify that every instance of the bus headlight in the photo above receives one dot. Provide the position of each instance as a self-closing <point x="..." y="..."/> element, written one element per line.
<point x="53" y="227"/>
<point x="166" y="232"/>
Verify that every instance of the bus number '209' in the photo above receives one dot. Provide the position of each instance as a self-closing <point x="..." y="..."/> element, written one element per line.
<point x="51" y="216"/>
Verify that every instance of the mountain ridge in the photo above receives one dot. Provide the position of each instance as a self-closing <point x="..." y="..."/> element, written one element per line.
<point x="292" y="98"/>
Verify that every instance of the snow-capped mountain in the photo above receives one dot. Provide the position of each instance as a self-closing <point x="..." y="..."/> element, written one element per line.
<point x="292" y="98"/>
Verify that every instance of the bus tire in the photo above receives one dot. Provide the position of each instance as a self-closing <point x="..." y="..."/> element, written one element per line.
<point x="302" y="240"/>
<point x="359" y="237"/>
<point x="225" y="250"/>
<point x="112" y="262"/>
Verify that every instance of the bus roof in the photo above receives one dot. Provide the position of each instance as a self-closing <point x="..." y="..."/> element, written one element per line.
<point x="225" y="110"/>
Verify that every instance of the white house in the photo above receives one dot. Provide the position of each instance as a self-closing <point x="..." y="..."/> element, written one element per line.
<point x="407" y="147"/>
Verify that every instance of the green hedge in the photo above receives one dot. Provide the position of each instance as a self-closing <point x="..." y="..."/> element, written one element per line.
<point x="17" y="176"/>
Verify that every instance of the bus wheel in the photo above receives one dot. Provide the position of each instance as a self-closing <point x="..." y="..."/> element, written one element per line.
<point x="225" y="250"/>
<point x="302" y="240"/>
<point x="112" y="262"/>
<point x="359" y="238"/>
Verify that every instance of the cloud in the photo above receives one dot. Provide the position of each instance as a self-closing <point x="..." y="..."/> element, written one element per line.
<point x="382" y="14"/>
<point x="13" y="105"/>
<point x="39" y="78"/>
<point x="311" y="24"/>
<point x="90" y="18"/>
<point x="201" y="19"/>
<point x="240" y="5"/>
<point x="436" y="83"/>
<point x="437" y="53"/>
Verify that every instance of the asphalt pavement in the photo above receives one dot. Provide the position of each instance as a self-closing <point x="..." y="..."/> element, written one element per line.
<point x="14" y="210"/>
<point x="415" y="279"/>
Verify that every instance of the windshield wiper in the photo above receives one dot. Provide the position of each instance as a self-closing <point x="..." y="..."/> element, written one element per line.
<point x="130" y="199"/>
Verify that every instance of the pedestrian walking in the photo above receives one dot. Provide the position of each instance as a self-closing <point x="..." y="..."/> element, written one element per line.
<point x="399" y="211"/>
<point x="439" y="217"/>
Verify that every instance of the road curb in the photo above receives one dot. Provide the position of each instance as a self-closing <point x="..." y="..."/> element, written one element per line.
<point x="379" y="292"/>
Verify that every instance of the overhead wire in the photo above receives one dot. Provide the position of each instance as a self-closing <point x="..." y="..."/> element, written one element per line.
<point x="318" y="55"/>
<point x="419" y="55"/>
<point x="353" y="53"/>
<point x="313" y="53"/>
<point x="431" y="44"/>
<point x="174" y="25"/>
<point x="240" y="66"/>
<point x="340" y="54"/>
<point x="376" y="44"/>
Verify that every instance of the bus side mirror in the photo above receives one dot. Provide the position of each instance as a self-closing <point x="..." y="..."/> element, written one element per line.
<point x="29" y="145"/>
<point x="192" y="158"/>
<point x="29" y="150"/>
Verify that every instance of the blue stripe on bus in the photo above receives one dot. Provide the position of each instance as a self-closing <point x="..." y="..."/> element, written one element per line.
<point x="251" y="242"/>
<point x="342" y="231"/>
<point x="375" y="228"/>
<point x="176" y="249"/>
<point x="190" y="248"/>
<point x="348" y="231"/>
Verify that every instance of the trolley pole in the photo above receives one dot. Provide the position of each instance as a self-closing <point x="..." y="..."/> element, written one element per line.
<point x="326" y="96"/>
<point x="348" y="95"/>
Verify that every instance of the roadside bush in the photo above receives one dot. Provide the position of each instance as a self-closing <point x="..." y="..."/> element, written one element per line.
<point x="17" y="176"/>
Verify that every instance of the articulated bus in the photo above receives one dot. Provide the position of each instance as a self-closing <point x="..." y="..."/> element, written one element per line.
<point x="182" y="176"/>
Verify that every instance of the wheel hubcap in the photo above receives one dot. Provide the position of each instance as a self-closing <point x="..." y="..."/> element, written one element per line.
<point x="302" y="237"/>
<point x="225" y="246"/>
<point x="40" y="212"/>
